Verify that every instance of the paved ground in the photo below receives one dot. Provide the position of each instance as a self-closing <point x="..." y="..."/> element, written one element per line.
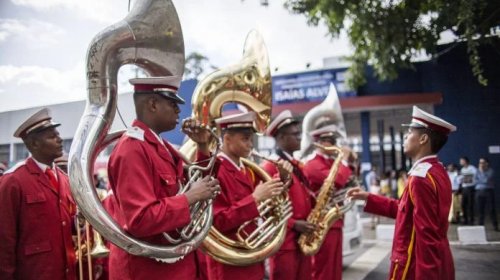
<point x="371" y="262"/>
<point x="471" y="262"/>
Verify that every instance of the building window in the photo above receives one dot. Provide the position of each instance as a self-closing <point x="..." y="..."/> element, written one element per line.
<point x="4" y="153"/>
<point x="20" y="152"/>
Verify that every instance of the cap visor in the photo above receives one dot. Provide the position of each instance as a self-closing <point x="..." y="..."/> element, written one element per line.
<point x="173" y="96"/>
<point x="45" y="127"/>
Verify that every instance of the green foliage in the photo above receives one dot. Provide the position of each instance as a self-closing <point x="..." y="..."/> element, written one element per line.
<point x="388" y="33"/>
<point x="196" y="64"/>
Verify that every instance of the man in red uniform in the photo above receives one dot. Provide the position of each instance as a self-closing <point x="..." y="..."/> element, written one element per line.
<point x="420" y="249"/>
<point x="36" y="208"/>
<point x="289" y="262"/>
<point x="62" y="163"/>
<point x="2" y="168"/>
<point x="144" y="176"/>
<point x="327" y="263"/>
<point x="240" y="192"/>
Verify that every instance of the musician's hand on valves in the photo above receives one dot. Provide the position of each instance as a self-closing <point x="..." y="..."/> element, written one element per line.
<point x="285" y="169"/>
<point x="196" y="131"/>
<point x="357" y="193"/>
<point x="302" y="226"/>
<point x="203" y="189"/>
<point x="268" y="190"/>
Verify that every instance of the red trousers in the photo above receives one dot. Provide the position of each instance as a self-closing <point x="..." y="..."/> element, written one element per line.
<point x="327" y="263"/>
<point x="290" y="265"/>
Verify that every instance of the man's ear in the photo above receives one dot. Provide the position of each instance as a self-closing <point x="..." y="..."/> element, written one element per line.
<point x="424" y="138"/>
<point x="152" y="104"/>
<point x="32" y="143"/>
<point x="227" y="137"/>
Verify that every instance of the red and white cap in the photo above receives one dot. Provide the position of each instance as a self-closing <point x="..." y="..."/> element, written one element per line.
<point x="242" y="120"/>
<point x="325" y="131"/>
<point x="422" y="119"/>
<point x="62" y="160"/>
<point x="37" y="122"/>
<point x="167" y="86"/>
<point x="284" y="118"/>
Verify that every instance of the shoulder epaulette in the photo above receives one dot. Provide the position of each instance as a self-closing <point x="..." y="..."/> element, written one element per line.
<point x="420" y="170"/>
<point x="135" y="132"/>
<point x="15" y="167"/>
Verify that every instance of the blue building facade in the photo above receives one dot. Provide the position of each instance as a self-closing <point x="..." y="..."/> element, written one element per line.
<point x="473" y="108"/>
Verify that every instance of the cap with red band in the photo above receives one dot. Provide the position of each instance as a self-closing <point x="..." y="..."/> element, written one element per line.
<point x="37" y="122"/>
<point x="422" y="119"/>
<point x="242" y="120"/>
<point x="326" y="131"/>
<point x="166" y="86"/>
<point x="284" y="118"/>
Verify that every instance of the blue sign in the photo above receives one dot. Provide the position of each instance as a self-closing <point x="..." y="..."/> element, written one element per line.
<point x="186" y="90"/>
<point x="309" y="86"/>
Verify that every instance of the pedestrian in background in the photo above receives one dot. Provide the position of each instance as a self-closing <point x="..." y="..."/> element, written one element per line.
<point x="456" y="203"/>
<point x="485" y="192"/>
<point x="385" y="184"/>
<point x="393" y="179"/>
<point x="402" y="180"/>
<point x="371" y="177"/>
<point x="468" y="187"/>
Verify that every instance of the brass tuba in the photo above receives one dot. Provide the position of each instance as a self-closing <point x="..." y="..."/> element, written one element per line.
<point x="248" y="83"/>
<point x="150" y="36"/>
<point x="331" y="203"/>
<point x="325" y="113"/>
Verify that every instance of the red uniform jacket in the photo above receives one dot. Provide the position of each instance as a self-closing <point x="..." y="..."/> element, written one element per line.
<point x="420" y="249"/>
<point x="144" y="178"/>
<point x="317" y="170"/>
<point x="35" y="225"/>
<point x="232" y="207"/>
<point x="300" y="198"/>
<point x="327" y="263"/>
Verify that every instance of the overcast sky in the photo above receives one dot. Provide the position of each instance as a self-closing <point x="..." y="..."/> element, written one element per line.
<point x="43" y="43"/>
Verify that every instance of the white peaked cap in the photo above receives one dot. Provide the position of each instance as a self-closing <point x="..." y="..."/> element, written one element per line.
<point x="422" y="119"/>
<point x="240" y="120"/>
<point x="284" y="118"/>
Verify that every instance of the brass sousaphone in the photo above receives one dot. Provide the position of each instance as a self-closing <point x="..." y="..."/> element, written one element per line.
<point x="150" y="36"/>
<point x="247" y="83"/>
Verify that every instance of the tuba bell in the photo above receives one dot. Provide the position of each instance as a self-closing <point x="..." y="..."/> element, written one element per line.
<point x="249" y="84"/>
<point x="150" y="37"/>
<point x="327" y="112"/>
<point x="331" y="204"/>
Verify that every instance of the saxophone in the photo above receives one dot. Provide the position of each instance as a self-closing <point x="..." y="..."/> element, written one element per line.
<point x="331" y="203"/>
<point x="326" y="211"/>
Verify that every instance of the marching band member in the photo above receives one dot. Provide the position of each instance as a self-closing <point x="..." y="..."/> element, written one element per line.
<point x="62" y="163"/>
<point x="327" y="263"/>
<point x="2" y="168"/>
<point x="420" y="249"/>
<point x="289" y="262"/>
<point x="240" y="192"/>
<point x="144" y="173"/>
<point x="36" y="208"/>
